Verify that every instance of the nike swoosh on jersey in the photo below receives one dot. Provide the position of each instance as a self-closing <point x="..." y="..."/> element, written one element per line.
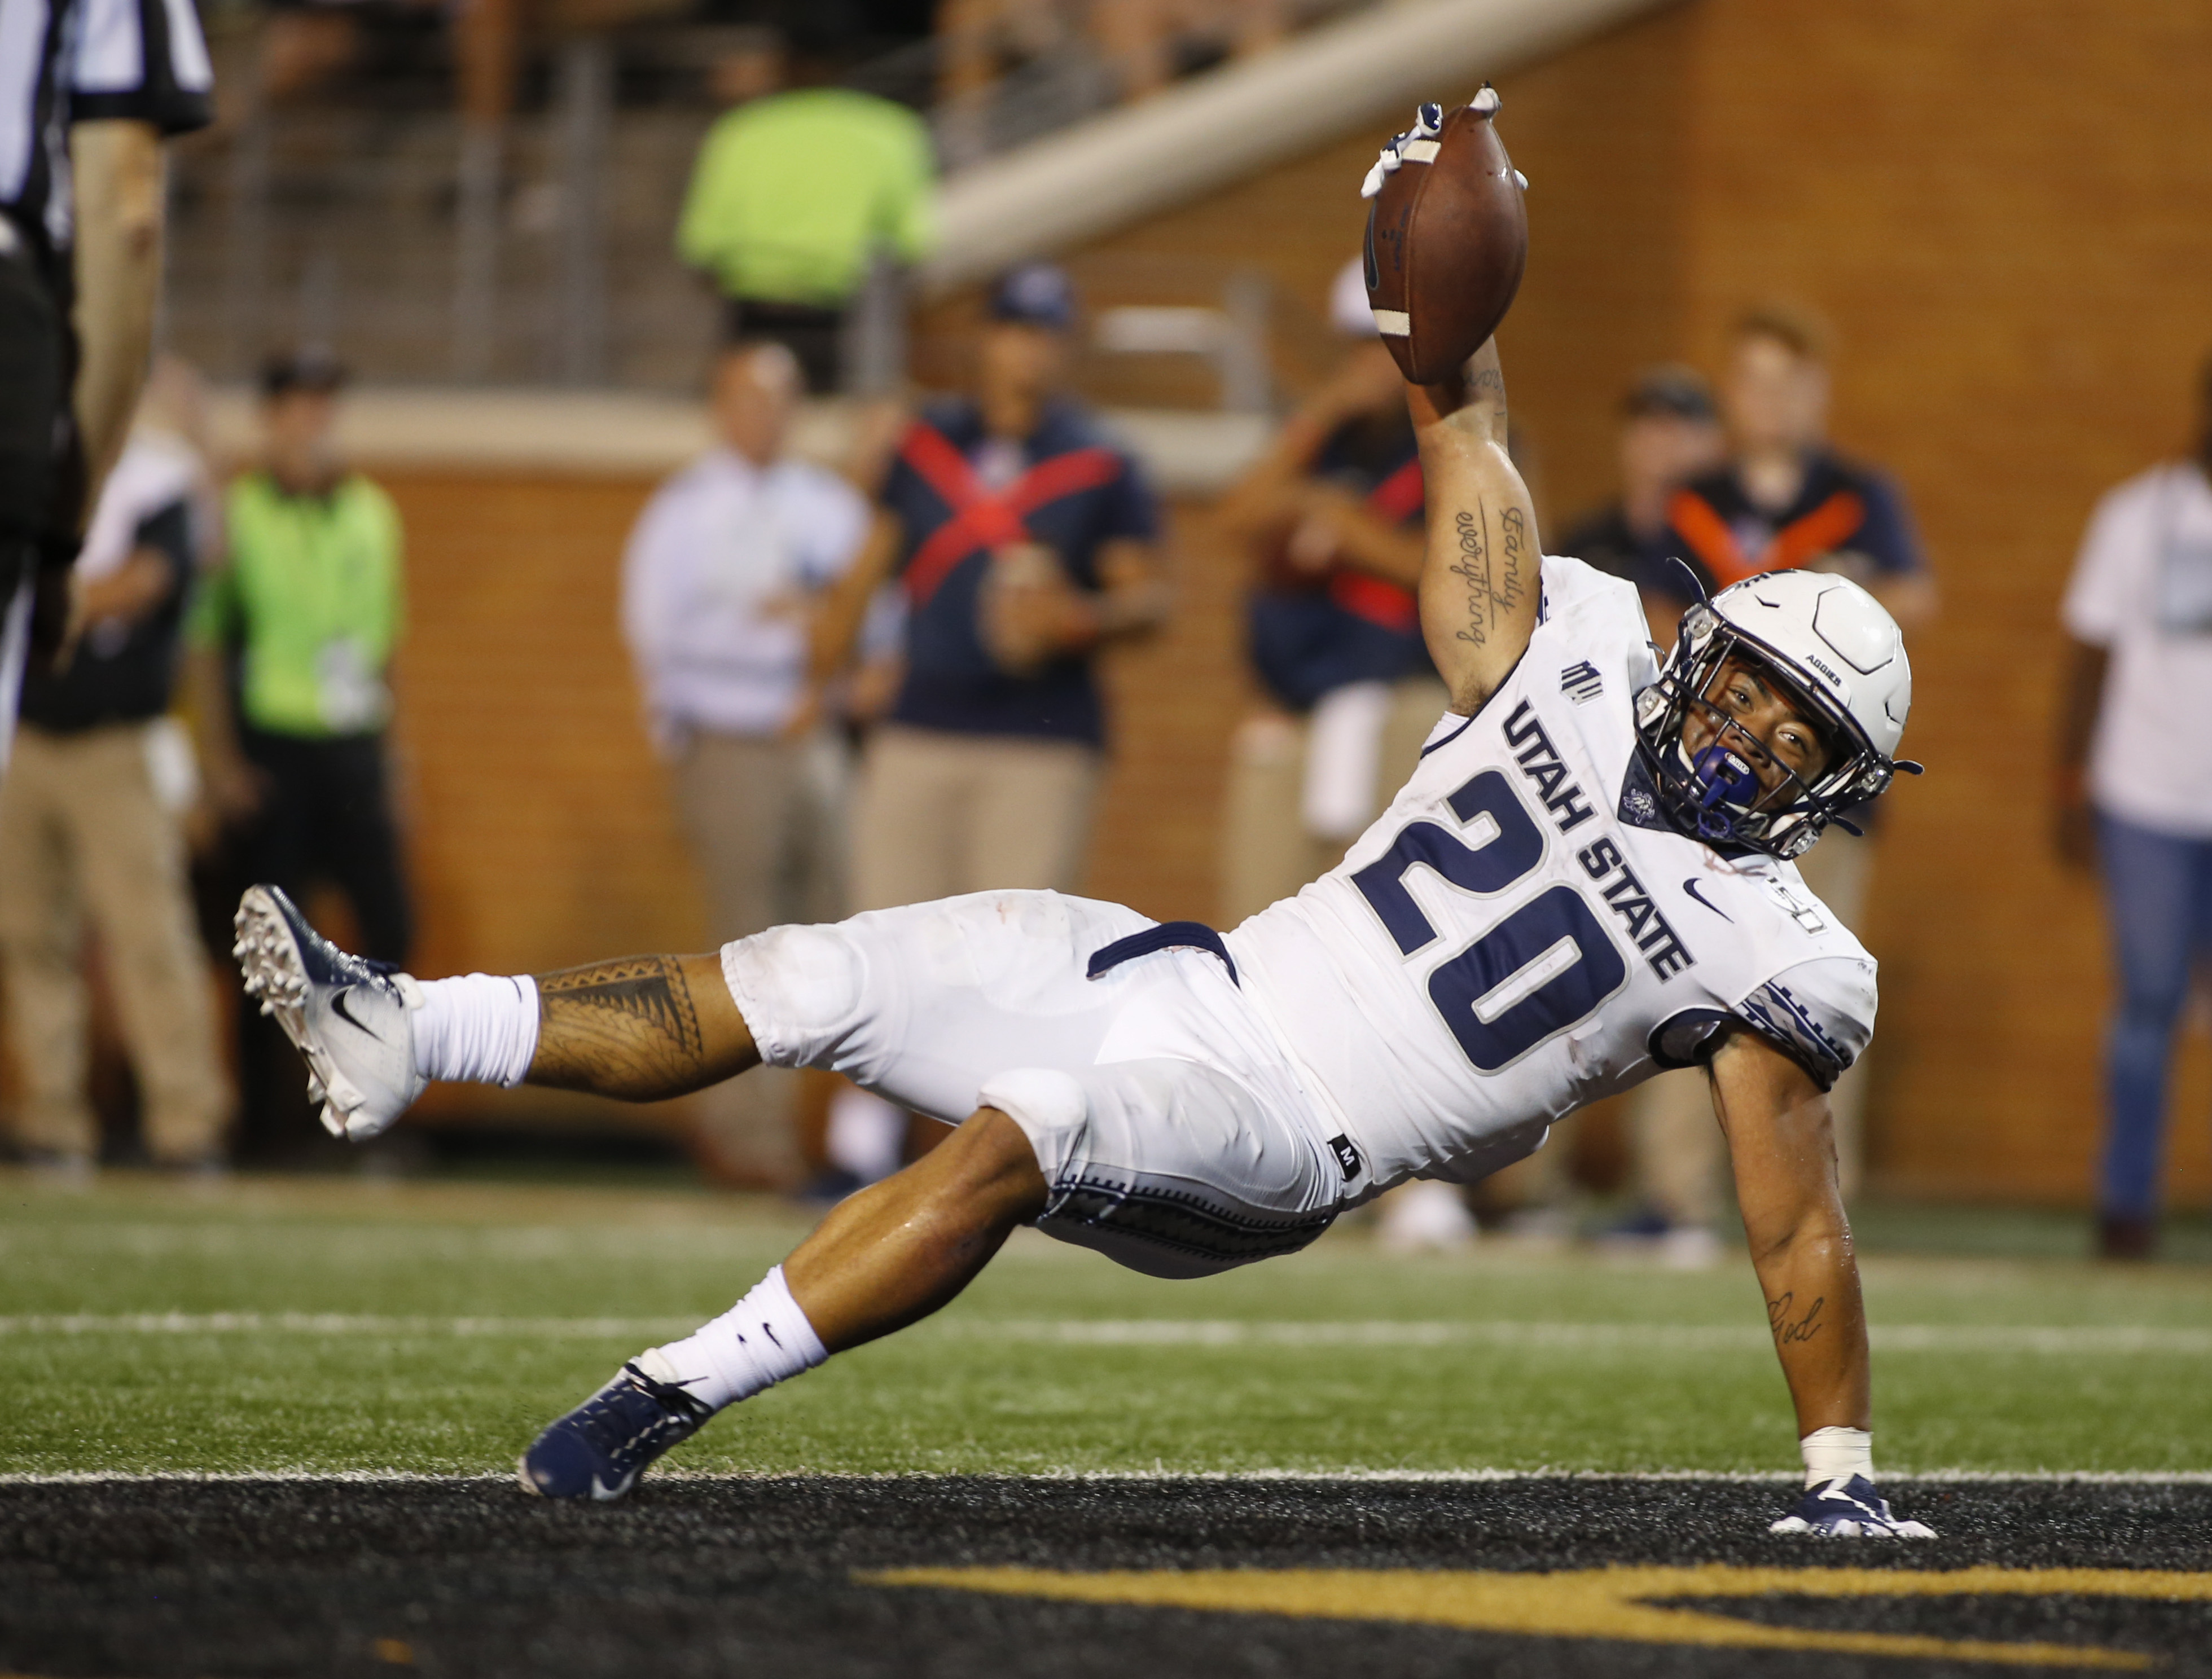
<point x="1690" y="886"/>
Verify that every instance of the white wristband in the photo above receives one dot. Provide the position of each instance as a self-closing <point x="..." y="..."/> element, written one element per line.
<point x="1837" y="1454"/>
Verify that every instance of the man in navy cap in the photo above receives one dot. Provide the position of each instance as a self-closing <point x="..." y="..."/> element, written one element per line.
<point x="1023" y="539"/>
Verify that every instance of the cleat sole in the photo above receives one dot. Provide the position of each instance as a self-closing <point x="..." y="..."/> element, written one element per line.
<point x="270" y="964"/>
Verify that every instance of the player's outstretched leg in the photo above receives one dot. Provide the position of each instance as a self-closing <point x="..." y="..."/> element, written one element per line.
<point x="639" y="1028"/>
<point x="642" y="1028"/>
<point x="892" y="1254"/>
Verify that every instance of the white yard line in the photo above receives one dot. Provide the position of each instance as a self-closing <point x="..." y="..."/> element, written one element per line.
<point x="1364" y="1476"/>
<point x="2103" y="1339"/>
<point x="342" y="1323"/>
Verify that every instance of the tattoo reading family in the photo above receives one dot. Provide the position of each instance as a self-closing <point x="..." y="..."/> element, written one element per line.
<point x="1489" y="597"/>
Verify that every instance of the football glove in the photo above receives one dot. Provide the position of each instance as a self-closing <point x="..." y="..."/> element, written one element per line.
<point x="1848" y="1509"/>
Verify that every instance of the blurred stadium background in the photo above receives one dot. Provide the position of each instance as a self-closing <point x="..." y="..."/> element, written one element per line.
<point x="2003" y="212"/>
<point x="2000" y="211"/>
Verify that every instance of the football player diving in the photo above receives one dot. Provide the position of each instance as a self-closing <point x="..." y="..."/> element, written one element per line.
<point x="1587" y="879"/>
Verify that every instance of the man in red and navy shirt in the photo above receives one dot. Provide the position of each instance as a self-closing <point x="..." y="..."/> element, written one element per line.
<point x="1022" y="539"/>
<point x="1332" y="515"/>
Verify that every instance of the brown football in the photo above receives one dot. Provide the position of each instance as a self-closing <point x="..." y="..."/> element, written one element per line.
<point x="1447" y="239"/>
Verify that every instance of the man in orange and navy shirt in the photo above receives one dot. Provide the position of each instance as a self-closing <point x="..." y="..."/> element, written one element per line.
<point x="1786" y="501"/>
<point x="1022" y="539"/>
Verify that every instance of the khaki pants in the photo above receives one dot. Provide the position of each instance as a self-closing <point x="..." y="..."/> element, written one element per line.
<point x="1679" y="1148"/>
<point x="938" y="815"/>
<point x="762" y="819"/>
<point x="762" y="815"/>
<point x="1267" y="853"/>
<point x="83" y="831"/>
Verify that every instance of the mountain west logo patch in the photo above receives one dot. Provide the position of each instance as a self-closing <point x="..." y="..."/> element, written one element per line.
<point x="1581" y="682"/>
<point x="1347" y="1157"/>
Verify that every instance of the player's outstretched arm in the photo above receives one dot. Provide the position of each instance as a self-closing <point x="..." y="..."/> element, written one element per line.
<point x="1782" y="1148"/>
<point x="639" y="1028"/>
<point x="1481" y="581"/>
<point x="1782" y="1144"/>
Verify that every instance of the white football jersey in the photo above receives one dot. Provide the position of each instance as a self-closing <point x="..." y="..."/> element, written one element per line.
<point x="1521" y="933"/>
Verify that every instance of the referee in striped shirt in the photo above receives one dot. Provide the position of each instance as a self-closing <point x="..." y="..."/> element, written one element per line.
<point x="88" y="91"/>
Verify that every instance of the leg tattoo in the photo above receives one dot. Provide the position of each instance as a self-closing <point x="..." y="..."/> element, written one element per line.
<point x="626" y="1028"/>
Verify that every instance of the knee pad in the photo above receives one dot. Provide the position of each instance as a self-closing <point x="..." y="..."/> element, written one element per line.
<point x="800" y="989"/>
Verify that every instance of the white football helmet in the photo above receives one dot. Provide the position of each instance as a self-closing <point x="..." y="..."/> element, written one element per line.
<point x="1837" y="654"/>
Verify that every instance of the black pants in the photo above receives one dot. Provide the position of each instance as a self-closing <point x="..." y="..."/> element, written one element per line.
<point x="326" y="818"/>
<point x="329" y="818"/>
<point x="815" y="336"/>
<point x="41" y="466"/>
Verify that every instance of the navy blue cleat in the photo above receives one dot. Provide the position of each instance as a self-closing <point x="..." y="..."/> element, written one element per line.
<point x="600" y="1449"/>
<point x="1850" y="1509"/>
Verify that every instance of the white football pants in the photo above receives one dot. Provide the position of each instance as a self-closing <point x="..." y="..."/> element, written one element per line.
<point x="1165" y="1114"/>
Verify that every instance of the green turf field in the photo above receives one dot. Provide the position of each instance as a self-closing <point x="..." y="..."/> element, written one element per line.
<point x="328" y="1324"/>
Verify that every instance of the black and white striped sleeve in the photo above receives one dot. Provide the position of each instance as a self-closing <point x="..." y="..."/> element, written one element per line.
<point x="141" y="60"/>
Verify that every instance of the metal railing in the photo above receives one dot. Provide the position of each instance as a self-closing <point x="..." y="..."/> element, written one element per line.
<point x="424" y="252"/>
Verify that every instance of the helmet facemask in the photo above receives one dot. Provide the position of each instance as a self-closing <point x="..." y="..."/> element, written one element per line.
<point x="1717" y="794"/>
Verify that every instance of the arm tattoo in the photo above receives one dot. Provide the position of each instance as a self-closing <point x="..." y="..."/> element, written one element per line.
<point x="1491" y="593"/>
<point x="623" y="1028"/>
<point x="1473" y="568"/>
<point x="1511" y="586"/>
<point x="1788" y="1333"/>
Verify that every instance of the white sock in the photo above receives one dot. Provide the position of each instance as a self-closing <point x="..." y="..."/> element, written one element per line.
<point x="481" y="1028"/>
<point x="761" y="1340"/>
<point x="1837" y="1454"/>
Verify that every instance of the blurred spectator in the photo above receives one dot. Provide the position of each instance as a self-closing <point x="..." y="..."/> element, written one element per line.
<point x="91" y="829"/>
<point x="1025" y="540"/>
<point x="1786" y="501"/>
<point x="308" y="45"/>
<point x="1145" y="41"/>
<point x="306" y="612"/>
<point x="795" y="197"/>
<point x="720" y="579"/>
<point x="2133" y="790"/>
<point x="1333" y="513"/>
<point x="1670" y="434"/>
<point x="1143" y="44"/>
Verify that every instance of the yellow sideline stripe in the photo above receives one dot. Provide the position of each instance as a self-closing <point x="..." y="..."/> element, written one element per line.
<point x="1592" y="1602"/>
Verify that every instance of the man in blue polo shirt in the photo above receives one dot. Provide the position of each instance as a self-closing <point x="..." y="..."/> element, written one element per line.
<point x="1023" y="539"/>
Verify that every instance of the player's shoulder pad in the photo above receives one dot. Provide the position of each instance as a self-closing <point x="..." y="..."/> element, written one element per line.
<point x="1819" y="1012"/>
